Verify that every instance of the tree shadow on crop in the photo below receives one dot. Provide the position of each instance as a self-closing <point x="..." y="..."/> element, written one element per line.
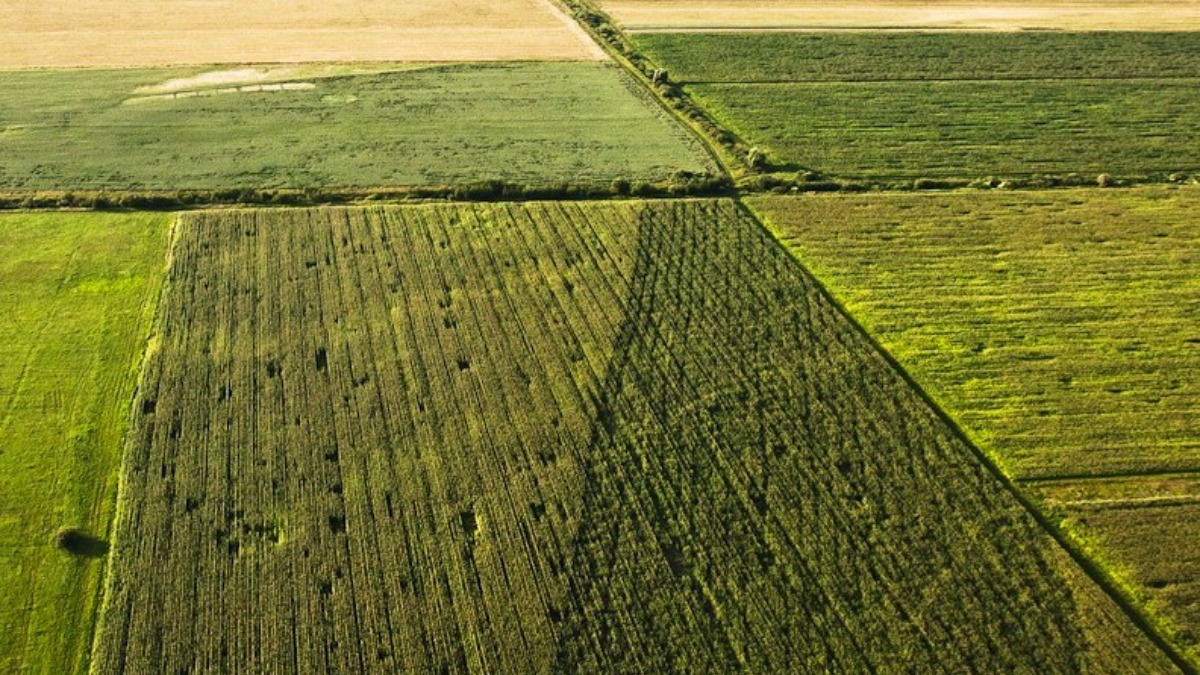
<point x="764" y="492"/>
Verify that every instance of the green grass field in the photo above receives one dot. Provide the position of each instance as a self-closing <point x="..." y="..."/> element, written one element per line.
<point x="77" y="292"/>
<point x="557" y="438"/>
<point x="1057" y="105"/>
<point x="1061" y="331"/>
<point x="533" y="123"/>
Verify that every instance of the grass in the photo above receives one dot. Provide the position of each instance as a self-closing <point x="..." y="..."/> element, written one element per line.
<point x="76" y="293"/>
<point x="1122" y="104"/>
<point x="556" y="437"/>
<point x="1060" y="330"/>
<point x="534" y="123"/>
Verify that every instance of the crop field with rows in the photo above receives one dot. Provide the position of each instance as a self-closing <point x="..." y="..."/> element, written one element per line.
<point x="188" y="128"/>
<point x="586" y="437"/>
<point x="77" y="291"/>
<point x="1061" y="331"/>
<point x="903" y="106"/>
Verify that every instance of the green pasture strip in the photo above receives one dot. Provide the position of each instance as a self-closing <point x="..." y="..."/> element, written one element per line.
<point x="1061" y="330"/>
<point x="535" y="123"/>
<point x="1144" y="527"/>
<point x="77" y="292"/>
<point x="1152" y="547"/>
<point x="557" y="437"/>
<point x="1145" y="129"/>
<point x="879" y="56"/>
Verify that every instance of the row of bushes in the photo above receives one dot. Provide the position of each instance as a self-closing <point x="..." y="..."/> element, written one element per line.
<point x="811" y="182"/>
<point x="679" y="184"/>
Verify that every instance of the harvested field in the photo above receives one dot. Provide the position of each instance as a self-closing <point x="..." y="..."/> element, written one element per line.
<point x="948" y="15"/>
<point x="556" y="438"/>
<point x="1061" y="331"/>
<point x="77" y="291"/>
<point x="118" y="33"/>
<point x="178" y="128"/>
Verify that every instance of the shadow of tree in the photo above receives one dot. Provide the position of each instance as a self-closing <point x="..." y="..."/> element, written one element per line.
<point x="765" y="493"/>
<point x="80" y="543"/>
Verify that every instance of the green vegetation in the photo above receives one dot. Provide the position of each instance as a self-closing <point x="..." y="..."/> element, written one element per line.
<point x="1061" y="331"/>
<point x="529" y="123"/>
<point x="890" y="56"/>
<point x="76" y="295"/>
<point x="557" y="437"/>
<point x="827" y="111"/>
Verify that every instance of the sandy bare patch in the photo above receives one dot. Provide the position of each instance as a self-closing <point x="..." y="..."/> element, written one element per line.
<point x="266" y="74"/>
<point x="52" y="33"/>
<point x="244" y="89"/>
<point x="905" y="14"/>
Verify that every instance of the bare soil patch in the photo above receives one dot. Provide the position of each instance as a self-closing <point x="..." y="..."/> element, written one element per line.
<point x="115" y="33"/>
<point x="904" y="15"/>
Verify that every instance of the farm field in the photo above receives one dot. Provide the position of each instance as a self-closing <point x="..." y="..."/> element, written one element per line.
<point x="178" y="129"/>
<point x="77" y="291"/>
<point x="946" y="15"/>
<point x="124" y="33"/>
<point x="591" y="437"/>
<point x="1060" y="330"/>
<point x="832" y="112"/>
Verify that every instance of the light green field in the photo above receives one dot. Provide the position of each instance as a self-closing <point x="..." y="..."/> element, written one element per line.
<point x="532" y="123"/>
<point x="1062" y="331"/>
<point x="76" y="296"/>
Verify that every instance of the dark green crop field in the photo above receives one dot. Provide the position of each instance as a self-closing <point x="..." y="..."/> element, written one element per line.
<point x="896" y="107"/>
<point x="534" y="123"/>
<point x="627" y="437"/>
<point x="77" y="291"/>
<point x="883" y="56"/>
<point x="1062" y="331"/>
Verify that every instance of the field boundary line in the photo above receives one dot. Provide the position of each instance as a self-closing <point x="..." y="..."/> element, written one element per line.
<point x="592" y="45"/>
<point x="941" y="80"/>
<point x="578" y="10"/>
<point x="1095" y="572"/>
<point x="153" y="305"/>
<point x="1078" y="477"/>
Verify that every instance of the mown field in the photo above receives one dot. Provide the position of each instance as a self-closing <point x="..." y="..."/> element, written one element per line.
<point x="1060" y="330"/>
<point x="556" y="437"/>
<point x="77" y="291"/>
<point x="1122" y="103"/>
<point x="133" y="33"/>
<point x="535" y="123"/>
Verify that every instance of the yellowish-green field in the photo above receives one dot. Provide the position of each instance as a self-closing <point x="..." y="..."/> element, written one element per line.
<point x="1062" y="331"/>
<point x="77" y="293"/>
